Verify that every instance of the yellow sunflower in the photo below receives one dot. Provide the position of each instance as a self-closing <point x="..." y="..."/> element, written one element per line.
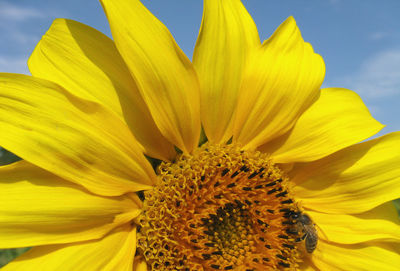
<point x="279" y="184"/>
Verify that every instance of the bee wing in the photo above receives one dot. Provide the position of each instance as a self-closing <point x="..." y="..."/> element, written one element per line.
<point x="311" y="239"/>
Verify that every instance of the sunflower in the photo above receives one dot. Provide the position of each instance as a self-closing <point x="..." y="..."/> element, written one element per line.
<point x="113" y="176"/>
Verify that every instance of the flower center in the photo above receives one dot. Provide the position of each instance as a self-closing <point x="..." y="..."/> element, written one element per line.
<point x="221" y="208"/>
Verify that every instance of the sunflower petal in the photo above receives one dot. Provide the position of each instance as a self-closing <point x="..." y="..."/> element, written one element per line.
<point x="76" y="139"/>
<point x="87" y="63"/>
<point x="114" y="252"/>
<point x="40" y="208"/>
<point x="353" y="180"/>
<point x="139" y="264"/>
<point x="226" y="36"/>
<point x="338" y="119"/>
<point x="383" y="256"/>
<point x="380" y="223"/>
<point x="307" y="265"/>
<point x="165" y="76"/>
<point x="281" y="80"/>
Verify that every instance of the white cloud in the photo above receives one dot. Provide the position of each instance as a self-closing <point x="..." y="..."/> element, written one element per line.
<point x="14" y="20"/>
<point x="378" y="35"/>
<point x="13" y="64"/>
<point x="23" y="38"/>
<point x="10" y="12"/>
<point x="378" y="76"/>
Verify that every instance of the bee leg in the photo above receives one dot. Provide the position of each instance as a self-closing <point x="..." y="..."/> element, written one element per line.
<point x="299" y="239"/>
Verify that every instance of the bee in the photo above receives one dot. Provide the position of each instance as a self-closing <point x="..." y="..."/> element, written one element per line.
<point x="306" y="226"/>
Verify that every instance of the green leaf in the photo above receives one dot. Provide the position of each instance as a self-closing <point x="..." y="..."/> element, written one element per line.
<point x="7" y="255"/>
<point x="7" y="157"/>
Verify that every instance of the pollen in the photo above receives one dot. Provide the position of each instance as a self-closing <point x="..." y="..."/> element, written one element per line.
<point x="220" y="208"/>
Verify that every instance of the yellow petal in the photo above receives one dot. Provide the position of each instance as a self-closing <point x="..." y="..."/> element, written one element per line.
<point x="226" y="37"/>
<point x="281" y="80"/>
<point x="338" y="119"/>
<point x="381" y="256"/>
<point x="164" y="75"/>
<point x="87" y="63"/>
<point x="37" y="207"/>
<point x="353" y="180"/>
<point x="307" y="265"/>
<point x="139" y="264"/>
<point x="307" y="268"/>
<point x="380" y="223"/>
<point x="114" y="252"/>
<point x="76" y="139"/>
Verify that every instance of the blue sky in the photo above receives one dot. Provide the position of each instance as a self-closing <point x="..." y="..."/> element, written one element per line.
<point x="359" y="40"/>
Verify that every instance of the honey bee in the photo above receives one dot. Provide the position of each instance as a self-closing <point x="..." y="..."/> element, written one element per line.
<point x="306" y="226"/>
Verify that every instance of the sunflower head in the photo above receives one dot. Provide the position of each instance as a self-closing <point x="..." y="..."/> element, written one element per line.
<point x="223" y="208"/>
